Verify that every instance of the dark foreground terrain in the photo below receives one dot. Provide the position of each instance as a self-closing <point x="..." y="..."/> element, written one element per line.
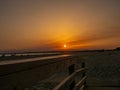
<point x="102" y="65"/>
<point x="103" y="69"/>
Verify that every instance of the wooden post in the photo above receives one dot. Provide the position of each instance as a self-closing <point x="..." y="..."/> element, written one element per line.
<point x="15" y="88"/>
<point x="83" y="66"/>
<point x="72" y="85"/>
<point x="72" y="70"/>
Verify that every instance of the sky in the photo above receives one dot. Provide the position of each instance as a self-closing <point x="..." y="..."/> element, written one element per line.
<point x="50" y="24"/>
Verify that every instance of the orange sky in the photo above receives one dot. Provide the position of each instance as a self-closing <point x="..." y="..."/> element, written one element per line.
<point x="48" y="25"/>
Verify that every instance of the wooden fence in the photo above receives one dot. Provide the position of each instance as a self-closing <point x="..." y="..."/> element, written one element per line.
<point x="70" y="82"/>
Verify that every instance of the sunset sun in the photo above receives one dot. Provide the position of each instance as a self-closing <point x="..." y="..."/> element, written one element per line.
<point x="65" y="46"/>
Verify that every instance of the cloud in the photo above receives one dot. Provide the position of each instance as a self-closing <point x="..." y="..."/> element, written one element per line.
<point x="99" y="35"/>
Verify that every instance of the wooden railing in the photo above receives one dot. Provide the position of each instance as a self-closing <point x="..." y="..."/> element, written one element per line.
<point x="69" y="83"/>
<point x="21" y="74"/>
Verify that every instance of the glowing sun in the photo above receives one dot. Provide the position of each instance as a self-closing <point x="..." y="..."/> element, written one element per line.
<point x="65" y="46"/>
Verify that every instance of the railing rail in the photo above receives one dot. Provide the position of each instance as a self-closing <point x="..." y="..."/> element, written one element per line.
<point x="70" y="79"/>
<point x="81" y="84"/>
